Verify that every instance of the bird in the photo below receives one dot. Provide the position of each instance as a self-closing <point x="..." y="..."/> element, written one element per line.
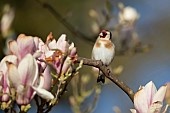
<point x="103" y="50"/>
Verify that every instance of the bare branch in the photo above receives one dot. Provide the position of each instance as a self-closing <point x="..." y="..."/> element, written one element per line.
<point x="108" y="74"/>
<point x="73" y="30"/>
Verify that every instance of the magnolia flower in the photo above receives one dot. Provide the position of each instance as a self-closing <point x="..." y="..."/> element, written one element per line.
<point x="128" y="14"/>
<point x="23" y="45"/>
<point x="23" y="77"/>
<point x="4" y="81"/>
<point x="148" y="100"/>
<point x="57" y="51"/>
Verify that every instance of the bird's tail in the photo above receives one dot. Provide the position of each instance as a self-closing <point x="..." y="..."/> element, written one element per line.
<point x="101" y="77"/>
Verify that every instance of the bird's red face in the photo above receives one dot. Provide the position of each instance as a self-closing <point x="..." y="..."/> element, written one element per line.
<point x="103" y="34"/>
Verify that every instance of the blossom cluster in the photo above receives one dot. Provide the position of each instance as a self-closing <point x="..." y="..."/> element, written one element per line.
<point x="32" y="67"/>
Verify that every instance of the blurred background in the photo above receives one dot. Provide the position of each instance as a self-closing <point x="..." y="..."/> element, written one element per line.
<point x="153" y="27"/>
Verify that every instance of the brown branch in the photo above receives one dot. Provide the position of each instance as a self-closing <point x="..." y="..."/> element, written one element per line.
<point x="108" y="74"/>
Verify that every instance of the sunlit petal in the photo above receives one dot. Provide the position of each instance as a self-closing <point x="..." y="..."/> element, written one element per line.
<point x="155" y="107"/>
<point x="14" y="74"/>
<point x="140" y="101"/>
<point x="133" y="111"/>
<point x="150" y="89"/>
<point x="43" y="93"/>
<point x="28" y="69"/>
<point x="25" y="45"/>
<point x="160" y="94"/>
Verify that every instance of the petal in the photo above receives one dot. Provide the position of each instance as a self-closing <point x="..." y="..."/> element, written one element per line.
<point x="66" y="65"/>
<point x="9" y="58"/>
<point x="53" y="44"/>
<point x="25" y="45"/>
<point x="28" y="70"/>
<point x="14" y="76"/>
<point x="13" y="47"/>
<point x="133" y="111"/>
<point x="140" y="101"/>
<point x="150" y="89"/>
<point x="155" y="107"/>
<point x="61" y="39"/>
<point x="160" y="94"/>
<point x="62" y="43"/>
<point x="73" y="52"/>
<point x="47" y="77"/>
<point x="71" y="46"/>
<point x="43" y="93"/>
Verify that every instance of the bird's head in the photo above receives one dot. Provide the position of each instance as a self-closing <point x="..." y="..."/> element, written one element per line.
<point x="105" y="35"/>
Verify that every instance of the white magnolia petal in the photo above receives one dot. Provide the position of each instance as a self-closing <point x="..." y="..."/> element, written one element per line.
<point x="14" y="76"/>
<point x="62" y="38"/>
<point x="71" y="46"/>
<point x="43" y="93"/>
<point x="53" y="44"/>
<point x="9" y="58"/>
<point x="28" y="69"/>
<point x="150" y="89"/>
<point x="140" y="101"/>
<point x="155" y="107"/>
<point x="160" y="94"/>
<point x="133" y="111"/>
<point x="49" y="53"/>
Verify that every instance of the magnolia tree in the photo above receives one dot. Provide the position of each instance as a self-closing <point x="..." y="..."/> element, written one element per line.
<point x="34" y="70"/>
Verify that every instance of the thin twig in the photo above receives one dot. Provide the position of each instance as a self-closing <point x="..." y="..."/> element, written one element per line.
<point x="63" y="87"/>
<point x="108" y="74"/>
<point x="70" y="27"/>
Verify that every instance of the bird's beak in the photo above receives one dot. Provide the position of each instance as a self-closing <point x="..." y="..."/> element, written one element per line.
<point x="101" y="34"/>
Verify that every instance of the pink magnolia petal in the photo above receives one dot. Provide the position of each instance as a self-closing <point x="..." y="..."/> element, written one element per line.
<point x="160" y="94"/>
<point x="73" y="52"/>
<point x="28" y="70"/>
<point x="140" y="101"/>
<point x="29" y="93"/>
<point x="150" y="89"/>
<point x="47" y="78"/>
<point x="13" y="47"/>
<point x="41" y="82"/>
<point x="66" y="65"/>
<point x="25" y="45"/>
<point x="14" y="76"/>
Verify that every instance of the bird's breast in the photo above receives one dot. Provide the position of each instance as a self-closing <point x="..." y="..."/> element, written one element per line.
<point x="104" y="51"/>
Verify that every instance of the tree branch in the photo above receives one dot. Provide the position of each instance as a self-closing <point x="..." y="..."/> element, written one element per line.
<point x="71" y="28"/>
<point x="106" y="71"/>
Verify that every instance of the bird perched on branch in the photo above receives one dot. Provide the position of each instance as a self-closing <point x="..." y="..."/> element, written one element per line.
<point x="103" y="50"/>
